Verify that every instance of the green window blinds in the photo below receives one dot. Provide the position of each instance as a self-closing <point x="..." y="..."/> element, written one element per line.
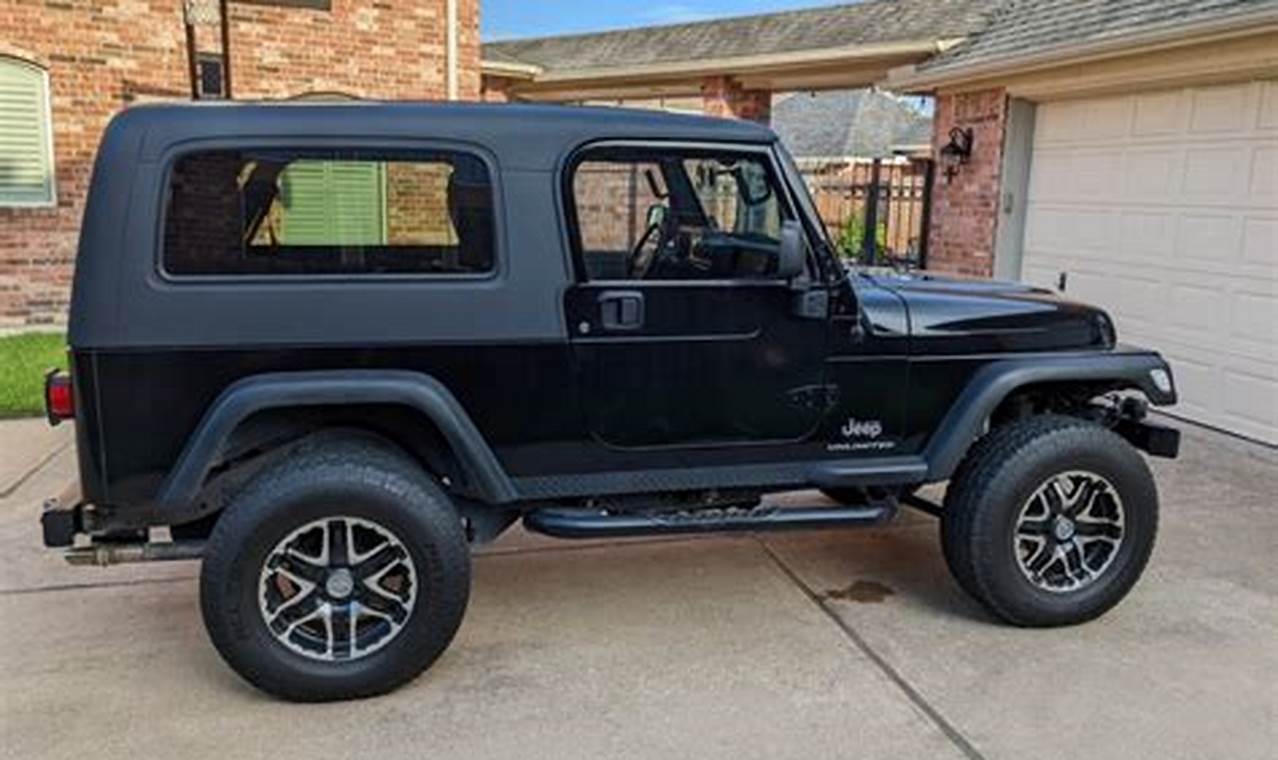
<point x="327" y="203"/>
<point x="26" y="160"/>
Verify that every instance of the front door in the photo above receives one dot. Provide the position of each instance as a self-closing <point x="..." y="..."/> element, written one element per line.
<point x="681" y="331"/>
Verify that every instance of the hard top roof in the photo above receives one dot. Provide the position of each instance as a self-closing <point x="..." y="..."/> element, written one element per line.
<point x="522" y="135"/>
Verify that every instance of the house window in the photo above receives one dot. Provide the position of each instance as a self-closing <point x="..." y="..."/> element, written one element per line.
<point x="212" y="78"/>
<point x="26" y="144"/>
<point x="328" y="212"/>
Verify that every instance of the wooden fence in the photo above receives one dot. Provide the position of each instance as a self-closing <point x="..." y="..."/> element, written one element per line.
<point x="890" y="230"/>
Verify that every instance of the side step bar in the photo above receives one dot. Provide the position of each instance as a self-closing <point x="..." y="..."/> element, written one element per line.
<point x="590" y="523"/>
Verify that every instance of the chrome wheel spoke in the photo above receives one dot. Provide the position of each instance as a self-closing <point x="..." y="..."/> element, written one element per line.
<point x="1085" y="497"/>
<point x="299" y="568"/>
<point x="293" y="612"/>
<point x="382" y="602"/>
<point x="1100" y="531"/>
<point x="1034" y="528"/>
<point x="1042" y="558"/>
<point x="379" y="561"/>
<point x="1075" y="562"/>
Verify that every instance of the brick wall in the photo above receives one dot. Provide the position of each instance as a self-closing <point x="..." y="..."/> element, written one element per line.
<point x="417" y="204"/>
<point x="965" y="210"/>
<point x="724" y="97"/>
<point x="103" y="55"/>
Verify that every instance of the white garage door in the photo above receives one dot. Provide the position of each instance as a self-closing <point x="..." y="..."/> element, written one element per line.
<point x="1163" y="208"/>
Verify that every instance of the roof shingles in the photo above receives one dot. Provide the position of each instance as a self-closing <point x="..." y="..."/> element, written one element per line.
<point x="1021" y="27"/>
<point x="866" y="23"/>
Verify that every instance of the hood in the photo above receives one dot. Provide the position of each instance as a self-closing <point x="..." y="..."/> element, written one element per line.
<point x="950" y="315"/>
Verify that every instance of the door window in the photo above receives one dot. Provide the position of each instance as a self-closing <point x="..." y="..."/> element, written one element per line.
<point x="657" y="214"/>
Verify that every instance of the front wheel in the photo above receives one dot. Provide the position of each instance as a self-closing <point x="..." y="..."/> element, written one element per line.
<point x="341" y="572"/>
<point x="1050" y="521"/>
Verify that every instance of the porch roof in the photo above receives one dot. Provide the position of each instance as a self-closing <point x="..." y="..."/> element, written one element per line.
<point x="819" y="48"/>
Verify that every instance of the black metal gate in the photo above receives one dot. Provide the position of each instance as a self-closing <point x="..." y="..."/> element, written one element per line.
<point x="875" y="210"/>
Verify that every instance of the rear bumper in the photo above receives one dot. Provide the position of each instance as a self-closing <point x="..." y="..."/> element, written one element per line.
<point x="63" y="517"/>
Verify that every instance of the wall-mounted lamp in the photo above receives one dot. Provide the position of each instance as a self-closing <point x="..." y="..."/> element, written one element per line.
<point x="956" y="152"/>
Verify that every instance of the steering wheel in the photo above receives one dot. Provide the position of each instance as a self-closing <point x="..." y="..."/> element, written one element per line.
<point x="640" y="260"/>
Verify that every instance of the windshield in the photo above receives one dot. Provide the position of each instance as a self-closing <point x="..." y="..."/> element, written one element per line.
<point x="802" y="197"/>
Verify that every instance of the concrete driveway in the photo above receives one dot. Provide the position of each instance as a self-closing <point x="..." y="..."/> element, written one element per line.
<point x="836" y="644"/>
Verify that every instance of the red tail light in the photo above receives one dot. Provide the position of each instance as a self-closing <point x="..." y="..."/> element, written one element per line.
<point x="59" y="398"/>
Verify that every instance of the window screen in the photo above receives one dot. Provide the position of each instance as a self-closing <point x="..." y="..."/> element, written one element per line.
<point x="26" y="162"/>
<point x="328" y="212"/>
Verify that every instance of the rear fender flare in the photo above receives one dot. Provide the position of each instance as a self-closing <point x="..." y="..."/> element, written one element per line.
<point x="333" y="388"/>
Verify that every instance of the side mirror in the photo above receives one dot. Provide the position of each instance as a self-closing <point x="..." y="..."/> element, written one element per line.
<point x="792" y="257"/>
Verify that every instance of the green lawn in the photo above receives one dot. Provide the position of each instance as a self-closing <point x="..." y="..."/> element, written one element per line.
<point x="23" y="362"/>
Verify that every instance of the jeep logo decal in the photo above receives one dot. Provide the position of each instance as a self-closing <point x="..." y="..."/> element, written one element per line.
<point x="855" y="428"/>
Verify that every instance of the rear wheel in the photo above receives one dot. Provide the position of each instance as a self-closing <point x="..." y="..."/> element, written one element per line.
<point x="341" y="572"/>
<point x="1050" y="521"/>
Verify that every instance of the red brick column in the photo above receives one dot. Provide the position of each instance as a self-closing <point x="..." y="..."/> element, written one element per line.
<point x="965" y="209"/>
<point x="724" y="97"/>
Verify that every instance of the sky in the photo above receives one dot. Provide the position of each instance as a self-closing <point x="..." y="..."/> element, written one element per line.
<point x="510" y="19"/>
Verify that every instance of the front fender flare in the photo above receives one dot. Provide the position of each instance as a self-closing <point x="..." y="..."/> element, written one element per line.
<point x="993" y="383"/>
<point x="330" y="388"/>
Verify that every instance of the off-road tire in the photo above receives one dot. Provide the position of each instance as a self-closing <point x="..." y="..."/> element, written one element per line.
<point x="994" y="482"/>
<point x="356" y="476"/>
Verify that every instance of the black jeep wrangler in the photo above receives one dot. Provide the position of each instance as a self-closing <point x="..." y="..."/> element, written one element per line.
<point x="328" y="348"/>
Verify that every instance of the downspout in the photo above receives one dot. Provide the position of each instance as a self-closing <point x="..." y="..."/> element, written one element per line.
<point x="451" y="50"/>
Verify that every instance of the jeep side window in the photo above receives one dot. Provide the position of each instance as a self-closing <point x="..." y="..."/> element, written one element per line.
<point x="281" y="212"/>
<point x="658" y="214"/>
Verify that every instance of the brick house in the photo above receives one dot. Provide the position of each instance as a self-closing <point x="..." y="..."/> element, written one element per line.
<point x="1125" y="151"/>
<point x="66" y="67"/>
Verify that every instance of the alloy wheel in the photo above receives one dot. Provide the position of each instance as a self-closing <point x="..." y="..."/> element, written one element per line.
<point x="337" y="589"/>
<point x="1069" y="531"/>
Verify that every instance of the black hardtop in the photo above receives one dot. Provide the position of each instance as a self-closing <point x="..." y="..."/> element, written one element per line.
<point x="120" y="299"/>
<point x="523" y="136"/>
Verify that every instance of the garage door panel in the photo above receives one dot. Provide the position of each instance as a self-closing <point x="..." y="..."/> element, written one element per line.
<point x="1268" y="117"/>
<point x="1162" y="208"/>
<point x="1264" y="175"/>
<point x="1095" y="174"/>
<point x="1150" y="174"/>
<point x="1220" y="109"/>
<point x="1210" y="236"/>
<point x="1260" y="240"/>
<point x="1149" y="234"/>
<point x="1161" y="113"/>
<point x="1251" y="399"/>
<point x="1255" y="319"/>
<point x="1215" y="173"/>
<point x="1195" y="308"/>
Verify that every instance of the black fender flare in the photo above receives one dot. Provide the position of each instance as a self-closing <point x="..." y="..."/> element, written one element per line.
<point x="993" y="383"/>
<point x="331" y="388"/>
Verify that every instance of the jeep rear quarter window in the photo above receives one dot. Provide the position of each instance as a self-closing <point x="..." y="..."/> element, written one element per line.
<point x="306" y="212"/>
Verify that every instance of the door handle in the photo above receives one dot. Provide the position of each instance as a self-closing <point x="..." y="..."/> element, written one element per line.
<point x="621" y="309"/>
